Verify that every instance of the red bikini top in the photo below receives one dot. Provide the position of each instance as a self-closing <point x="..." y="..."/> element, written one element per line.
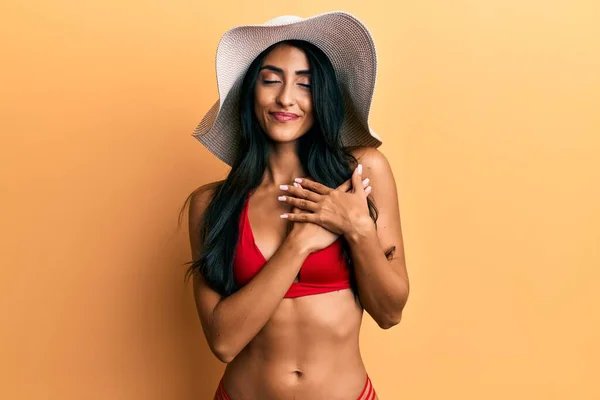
<point x="322" y="271"/>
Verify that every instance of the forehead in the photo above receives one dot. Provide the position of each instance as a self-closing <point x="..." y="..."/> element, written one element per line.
<point x="286" y="56"/>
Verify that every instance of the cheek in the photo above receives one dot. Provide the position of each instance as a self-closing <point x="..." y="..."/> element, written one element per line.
<point x="307" y="107"/>
<point x="259" y="104"/>
<point x="257" y="109"/>
<point x="259" y="115"/>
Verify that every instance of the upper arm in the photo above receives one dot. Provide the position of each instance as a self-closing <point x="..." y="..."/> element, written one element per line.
<point x="206" y="298"/>
<point x="385" y="196"/>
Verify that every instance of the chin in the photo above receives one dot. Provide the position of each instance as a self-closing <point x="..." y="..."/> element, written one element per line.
<point x="284" y="135"/>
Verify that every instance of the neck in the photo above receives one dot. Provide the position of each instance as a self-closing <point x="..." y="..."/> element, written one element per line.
<point x="283" y="165"/>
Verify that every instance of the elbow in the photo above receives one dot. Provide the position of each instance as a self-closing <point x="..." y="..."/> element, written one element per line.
<point x="393" y="315"/>
<point x="386" y="316"/>
<point x="390" y="318"/>
<point x="223" y="356"/>
<point x="389" y="321"/>
<point x="222" y="351"/>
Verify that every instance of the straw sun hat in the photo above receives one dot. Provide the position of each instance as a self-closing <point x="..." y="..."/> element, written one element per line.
<point x="342" y="37"/>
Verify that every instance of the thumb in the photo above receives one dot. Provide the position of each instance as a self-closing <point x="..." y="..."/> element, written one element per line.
<point x="357" y="185"/>
<point x="344" y="187"/>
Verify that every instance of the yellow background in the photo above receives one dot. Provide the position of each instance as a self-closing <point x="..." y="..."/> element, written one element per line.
<point x="490" y="115"/>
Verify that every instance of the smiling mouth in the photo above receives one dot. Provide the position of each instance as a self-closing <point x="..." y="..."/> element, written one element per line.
<point x="284" y="117"/>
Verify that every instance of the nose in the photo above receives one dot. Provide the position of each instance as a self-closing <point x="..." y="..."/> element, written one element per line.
<point x="285" y="97"/>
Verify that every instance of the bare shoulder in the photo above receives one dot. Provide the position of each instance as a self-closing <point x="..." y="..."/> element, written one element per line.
<point x="200" y="198"/>
<point x="373" y="160"/>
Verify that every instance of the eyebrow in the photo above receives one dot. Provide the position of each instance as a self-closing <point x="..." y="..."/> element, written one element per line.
<point x="279" y="70"/>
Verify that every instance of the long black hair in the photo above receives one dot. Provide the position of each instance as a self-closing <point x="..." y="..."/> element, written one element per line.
<point x="320" y="152"/>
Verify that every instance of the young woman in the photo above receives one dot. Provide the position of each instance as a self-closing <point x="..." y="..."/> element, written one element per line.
<point x="304" y="233"/>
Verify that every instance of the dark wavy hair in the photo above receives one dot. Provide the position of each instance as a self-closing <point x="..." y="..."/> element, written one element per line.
<point x="320" y="152"/>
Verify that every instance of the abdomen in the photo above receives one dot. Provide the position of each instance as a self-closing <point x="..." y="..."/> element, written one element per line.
<point x="309" y="345"/>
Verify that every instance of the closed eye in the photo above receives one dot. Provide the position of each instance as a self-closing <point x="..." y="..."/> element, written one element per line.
<point x="269" y="82"/>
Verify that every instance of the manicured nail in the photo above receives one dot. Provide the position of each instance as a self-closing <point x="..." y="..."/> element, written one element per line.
<point x="281" y="198"/>
<point x="299" y="180"/>
<point x="296" y="185"/>
<point x="365" y="181"/>
<point x="283" y="187"/>
<point x="283" y="215"/>
<point x="359" y="169"/>
<point x="368" y="189"/>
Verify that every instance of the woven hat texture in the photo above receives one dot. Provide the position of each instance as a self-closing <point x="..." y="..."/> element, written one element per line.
<point x="341" y="36"/>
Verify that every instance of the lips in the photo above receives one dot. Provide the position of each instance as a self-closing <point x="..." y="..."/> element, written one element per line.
<point x="284" y="116"/>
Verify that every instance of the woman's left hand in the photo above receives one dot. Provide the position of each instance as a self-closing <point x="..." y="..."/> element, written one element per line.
<point x="338" y="210"/>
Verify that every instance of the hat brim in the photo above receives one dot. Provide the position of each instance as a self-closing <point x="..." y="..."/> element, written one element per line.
<point x="342" y="37"/>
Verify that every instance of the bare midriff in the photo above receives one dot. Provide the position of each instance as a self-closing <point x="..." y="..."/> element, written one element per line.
<point x="308" y="350"/>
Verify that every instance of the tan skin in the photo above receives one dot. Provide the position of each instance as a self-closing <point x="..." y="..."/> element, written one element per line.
<point x="307" y="347"/>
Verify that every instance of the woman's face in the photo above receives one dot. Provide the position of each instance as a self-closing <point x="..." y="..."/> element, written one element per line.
<point x="282" y="97"/>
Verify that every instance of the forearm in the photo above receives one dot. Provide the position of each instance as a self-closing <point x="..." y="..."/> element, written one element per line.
<point x="238" y="318"/>
<point x="383" y="291"/>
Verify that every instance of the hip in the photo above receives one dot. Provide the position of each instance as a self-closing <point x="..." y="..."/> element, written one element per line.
<point x="366" y="393"/>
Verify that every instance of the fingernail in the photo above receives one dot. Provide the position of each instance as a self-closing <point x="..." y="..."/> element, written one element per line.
<point x="368" y="189"/>
<point x="296" y="185"/>
<point x="283" y="187"/>
<point x="281" y="198"/>
<point x="299" y="180"/>
<point x="365" y="181"/>
<point x="360" y="169"/>
<point x="283" y="215"/>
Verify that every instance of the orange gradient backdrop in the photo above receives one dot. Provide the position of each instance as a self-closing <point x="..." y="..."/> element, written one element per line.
<point x="490" y="115"/>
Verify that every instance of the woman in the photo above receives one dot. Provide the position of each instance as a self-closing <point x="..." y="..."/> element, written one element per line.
<point x="304" y="233"/>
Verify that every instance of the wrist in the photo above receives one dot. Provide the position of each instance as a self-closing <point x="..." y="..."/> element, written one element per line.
<point x="297" y="245"/>
<point x="360" y="230"/>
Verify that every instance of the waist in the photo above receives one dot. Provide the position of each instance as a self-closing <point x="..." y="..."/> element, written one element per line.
<point x="301" y="349"/>
<point x="332" y="376"/>
<point x="309" y="343"/>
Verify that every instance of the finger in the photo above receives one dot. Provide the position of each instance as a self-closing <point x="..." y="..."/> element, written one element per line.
<point x="301" y="193"/>
<point x="296" y="209"/>
<point x="301" y="204"/>
<point x="346" y="186"/>
<point x="298" y="186"/>
<point x="357" y="184"/>
<point x="314" y="186"/>
<point x="301" y="217"/>
<point x="368" y="190"/>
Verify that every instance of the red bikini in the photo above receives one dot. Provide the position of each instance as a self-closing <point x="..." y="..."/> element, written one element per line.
<point x="368" y="392"/>
<point x="322" y="271"/>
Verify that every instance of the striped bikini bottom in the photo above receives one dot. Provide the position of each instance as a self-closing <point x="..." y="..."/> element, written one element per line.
<point x="368" y="392"/>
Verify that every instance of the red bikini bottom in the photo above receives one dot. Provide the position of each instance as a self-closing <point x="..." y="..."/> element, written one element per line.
<point x="368" y="391"/>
